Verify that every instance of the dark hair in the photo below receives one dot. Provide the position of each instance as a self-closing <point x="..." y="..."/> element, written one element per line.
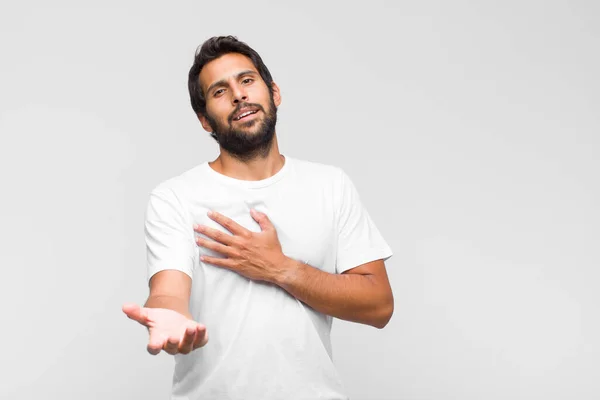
<point x="212" y="49"/>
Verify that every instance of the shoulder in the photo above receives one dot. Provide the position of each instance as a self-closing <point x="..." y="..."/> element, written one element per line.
<point x="318" y="171"/>
<point x="180" y="186"/>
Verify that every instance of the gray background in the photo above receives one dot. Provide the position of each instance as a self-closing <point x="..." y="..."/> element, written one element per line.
<point x="470" y="129"/>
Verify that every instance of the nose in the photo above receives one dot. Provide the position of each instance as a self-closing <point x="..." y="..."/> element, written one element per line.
<point x="239" y="94"/>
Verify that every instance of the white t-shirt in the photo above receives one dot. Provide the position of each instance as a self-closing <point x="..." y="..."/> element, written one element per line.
<point x="263" y="343"/>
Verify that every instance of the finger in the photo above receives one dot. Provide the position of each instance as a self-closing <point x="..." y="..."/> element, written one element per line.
<point x="221" y="237"/>
<point x="263" y="221"/>
<point x="201" y="337"/>
<point x="219" y="262"/>
<point x="229" y="224"/>
<point x="156" y="343"/>
<point x="171" y="345"/>
<point x="136" y="313"/>
<point x="215" y="246"/>
<point x="187" y="339"/>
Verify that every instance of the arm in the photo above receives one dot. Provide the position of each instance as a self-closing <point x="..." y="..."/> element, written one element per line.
<point x="166" y="312"/>
<point x="170" y="289"/>
<point x="166" y="315"/>
<point x="170" y="252"/>
<point x="362" y="294"/>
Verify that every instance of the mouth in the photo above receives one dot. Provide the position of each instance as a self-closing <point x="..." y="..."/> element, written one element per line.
<point x="244" y="114"/>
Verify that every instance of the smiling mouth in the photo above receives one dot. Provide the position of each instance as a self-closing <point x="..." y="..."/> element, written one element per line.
<point x="244" y="115"/>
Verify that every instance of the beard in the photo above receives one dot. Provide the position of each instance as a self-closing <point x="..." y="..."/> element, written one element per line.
<point x="250" y="139"/>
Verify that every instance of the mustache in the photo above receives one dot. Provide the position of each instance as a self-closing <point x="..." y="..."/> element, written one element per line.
<point x="242" y="105"/>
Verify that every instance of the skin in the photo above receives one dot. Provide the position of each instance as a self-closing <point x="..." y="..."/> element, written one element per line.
<point x="169" y="330"/>
<point x="223" y="99"/>
<point x="362" y="294"/>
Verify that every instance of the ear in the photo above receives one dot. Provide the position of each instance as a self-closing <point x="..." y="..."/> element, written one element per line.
<point x="205" y="124"/>
<point x="276" y="94"/>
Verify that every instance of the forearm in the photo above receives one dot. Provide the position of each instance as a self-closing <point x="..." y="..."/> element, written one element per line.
<point x="169" y="302"/>
<point x="350" y="297"/>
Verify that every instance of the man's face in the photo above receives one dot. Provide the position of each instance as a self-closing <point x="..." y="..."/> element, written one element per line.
<point x="241" y="112"/>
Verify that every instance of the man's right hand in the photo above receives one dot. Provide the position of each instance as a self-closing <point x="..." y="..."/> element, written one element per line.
<point x="169" y="330"/>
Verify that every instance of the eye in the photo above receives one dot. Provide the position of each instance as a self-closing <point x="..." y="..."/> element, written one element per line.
<point x="247" y="80"/>
<point x="218" y="92"/>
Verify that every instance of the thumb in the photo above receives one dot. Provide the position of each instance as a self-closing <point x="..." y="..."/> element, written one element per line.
<point x="263" y="221"/>
<point x="136" y="313"/>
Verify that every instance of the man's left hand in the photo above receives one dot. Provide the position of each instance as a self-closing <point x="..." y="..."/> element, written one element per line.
<point x="255" y="255"/>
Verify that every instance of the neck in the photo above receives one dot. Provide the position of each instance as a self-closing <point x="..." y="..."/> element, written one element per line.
<point x="261" y="166"/>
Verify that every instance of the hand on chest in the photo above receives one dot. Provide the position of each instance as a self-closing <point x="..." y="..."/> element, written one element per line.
<point x="306" y="230"/>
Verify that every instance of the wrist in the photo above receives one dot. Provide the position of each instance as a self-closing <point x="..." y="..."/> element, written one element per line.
<point x="287" y="271"/>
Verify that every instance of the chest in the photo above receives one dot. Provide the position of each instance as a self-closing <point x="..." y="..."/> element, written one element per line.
<point x="305" y="221"/>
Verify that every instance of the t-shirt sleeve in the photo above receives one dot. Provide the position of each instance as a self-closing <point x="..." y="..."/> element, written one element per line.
<point x="359" y="240"/>
<point x="169" y="235"/>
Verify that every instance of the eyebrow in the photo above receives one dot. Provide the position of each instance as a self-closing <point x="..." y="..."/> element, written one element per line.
<point x="223" y="82"/>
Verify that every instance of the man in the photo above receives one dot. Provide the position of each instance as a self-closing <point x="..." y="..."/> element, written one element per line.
<point x="257" y="248"/>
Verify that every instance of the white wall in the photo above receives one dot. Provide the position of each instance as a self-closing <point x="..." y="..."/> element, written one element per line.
<point x="471" y="130"/>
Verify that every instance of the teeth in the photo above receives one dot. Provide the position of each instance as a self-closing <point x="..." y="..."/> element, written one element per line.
<point x="244" y="114"/>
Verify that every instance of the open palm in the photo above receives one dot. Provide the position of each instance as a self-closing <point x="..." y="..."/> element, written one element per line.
<point x="169" y="330"/>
